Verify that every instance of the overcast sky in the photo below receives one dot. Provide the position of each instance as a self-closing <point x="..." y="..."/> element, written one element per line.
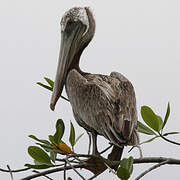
<point x="135" y="37"/>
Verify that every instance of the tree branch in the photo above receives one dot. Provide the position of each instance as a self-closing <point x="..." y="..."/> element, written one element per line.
<point x="106" y="149"/>
<point x="94" y="176"/>
<point x="110" y="163"/>
<point x="156" y="160"/>
<point x="168" y="140"/>
<point x="44" y="175"/>
<point x="152" y="168"/>
<point x="10" y="172"/>
<point x="87" y="165"/>
<point x="14" y="171"/>
<point x="65" y="171"/>
<point x="65" y="98"/>
<point x="53" y="171"/>
<point x="74" y="168"/>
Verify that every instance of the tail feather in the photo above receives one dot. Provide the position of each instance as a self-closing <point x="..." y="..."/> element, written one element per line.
<point x="115" y="155"/>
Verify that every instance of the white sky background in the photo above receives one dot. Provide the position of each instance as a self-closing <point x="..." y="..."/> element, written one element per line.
<point x="136" y="37"/>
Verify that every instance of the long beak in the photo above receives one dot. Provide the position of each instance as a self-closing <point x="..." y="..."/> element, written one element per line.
<point x="67" y="53"/>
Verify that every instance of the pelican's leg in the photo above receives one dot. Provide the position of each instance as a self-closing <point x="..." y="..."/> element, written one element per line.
<point x="89" y="148"/>
<point x="94" y="139"/>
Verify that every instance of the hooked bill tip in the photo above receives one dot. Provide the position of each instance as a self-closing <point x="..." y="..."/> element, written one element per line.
<point x="52" y="106"/>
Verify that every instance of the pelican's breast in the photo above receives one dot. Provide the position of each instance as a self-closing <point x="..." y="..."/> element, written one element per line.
<point x="104" y="104"/>
<point x="86" y="94"/>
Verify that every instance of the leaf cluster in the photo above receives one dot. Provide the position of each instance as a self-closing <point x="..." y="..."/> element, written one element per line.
<point x="45" y="155"/>
<point x="154" y="123"/>
<point x="154" y="126"/>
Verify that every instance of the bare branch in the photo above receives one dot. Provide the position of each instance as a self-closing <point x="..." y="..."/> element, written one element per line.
<point x="136" y="161"/>
<point x="50" y="171"/>
<point x="65" y="171"/>
<point x="152" y="168"/>
<point x="43" y="175"/>
<point x="15" y="171"/>
<point x="86" y="165"/>
<point x="63" y="160"/>
<point x="83" y="155"/>
<point x="168" y="140"/>
<point x="74" y="168"/>
<point x="156" y="160"/>
<point x="94" y="176"/>
<point x="65" y="98"/>
<point x="106" y="149"/>
<point x="10" y="172"/>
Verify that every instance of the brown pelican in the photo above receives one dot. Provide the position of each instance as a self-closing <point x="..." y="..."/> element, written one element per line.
<point x="102" y="105"/>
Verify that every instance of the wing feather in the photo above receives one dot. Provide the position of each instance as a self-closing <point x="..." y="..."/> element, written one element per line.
<point x="105" y="104"/>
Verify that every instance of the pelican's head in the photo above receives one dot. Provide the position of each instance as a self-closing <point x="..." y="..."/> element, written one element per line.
<point x="77" y="30"/>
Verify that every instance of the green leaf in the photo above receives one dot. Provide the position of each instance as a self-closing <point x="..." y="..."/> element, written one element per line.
<point x="166" y="116"/>
<point x="59" y="122"/>
<point x="127" y="164"/>
<point x="53" y="156"/>
<point x="40" y="140"/>
<point x="45" y="86"/>
<point x="123" y="173"/>
<point x="150" y="118"/>
<point x="170" y="133"/>
<point x="39" y="155"/>
<point x="38" y="163"/>
<point x="59" y="131"/>
<point x="144" y="129"/>
<point x="51" y="138"/>
<point x="126" y="168"/>
<point x="43" y="166"/>
<point x="160" y="122"/>
<point x="47" y="148"/>
<point x="150" y="140"/>
<point x="77" y="139"/>
<point x="49" y="81"/>
<point x="130" y="164"/>
<point x="72" y="135"/>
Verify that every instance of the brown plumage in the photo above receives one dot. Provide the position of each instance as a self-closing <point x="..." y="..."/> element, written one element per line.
<point x="103" y="105"/>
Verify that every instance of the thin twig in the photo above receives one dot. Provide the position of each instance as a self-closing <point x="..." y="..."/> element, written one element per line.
<point x="156" y="160"/>
<point x="63" y="160"/>
<point x="152" y="168"/>
<point x="10" y="172"/>
<point x="65" y="171"/>
<point x="94" y="176"/>
<point x="50" y="171"/>
<point x="14" y="171"/>
<point x="168" y="140"/>
<point x="74" y="169"/>
<point x="76" y="156"/>
<point x="78" y="159"/>
<point x="106" y="149"/>
<point x="65" y="98"/>
<point x="43" y="175"/>
<point x="85" y="165"/>
<point x="82" y="155"/>
<point x="136" y="161"/>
